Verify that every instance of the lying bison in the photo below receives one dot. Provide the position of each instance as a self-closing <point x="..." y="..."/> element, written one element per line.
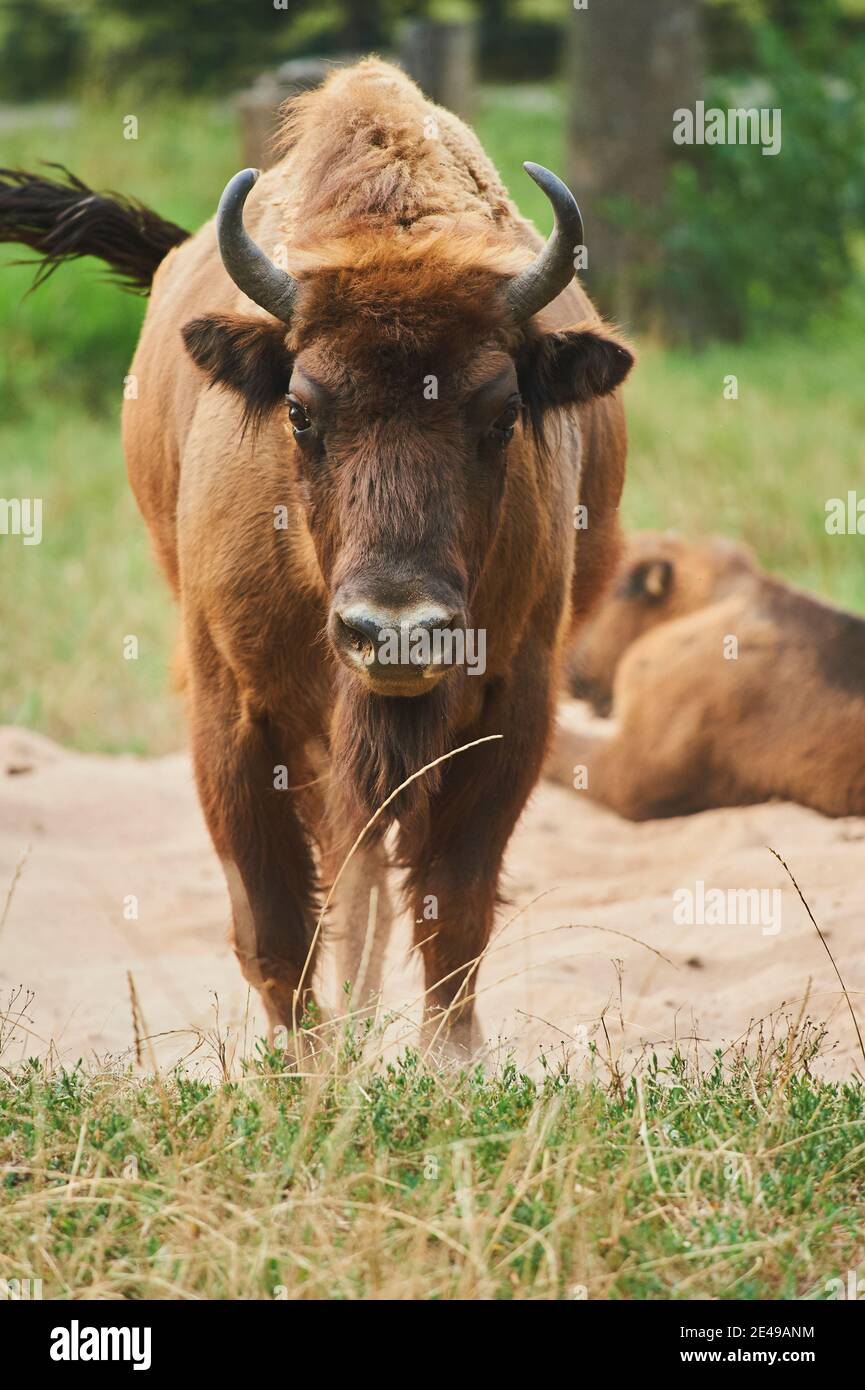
<point x="726" y="686"/>
<point x="368" y="400"/>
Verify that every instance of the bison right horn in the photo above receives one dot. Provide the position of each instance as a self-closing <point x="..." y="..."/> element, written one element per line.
<point x="540" y="282"/>
<point x="268" y="286"/>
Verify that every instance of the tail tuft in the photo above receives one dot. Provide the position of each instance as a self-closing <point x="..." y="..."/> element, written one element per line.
<point x="63" y="219"/>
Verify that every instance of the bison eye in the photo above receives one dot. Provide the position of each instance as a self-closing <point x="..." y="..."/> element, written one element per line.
<point x="298" y="415"/>
<point x="502" y="428"/>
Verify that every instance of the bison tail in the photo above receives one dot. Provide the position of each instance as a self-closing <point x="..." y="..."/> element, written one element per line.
<point x="61" y="219"/>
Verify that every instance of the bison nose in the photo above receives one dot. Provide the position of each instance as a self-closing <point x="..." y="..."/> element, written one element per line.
<point x="401" y="651"/>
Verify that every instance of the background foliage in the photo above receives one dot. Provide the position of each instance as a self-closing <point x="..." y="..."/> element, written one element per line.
<point x="789" y="240"/>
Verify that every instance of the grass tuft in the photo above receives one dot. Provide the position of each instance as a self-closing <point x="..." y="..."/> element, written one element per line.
<point x="367" y="1178"/>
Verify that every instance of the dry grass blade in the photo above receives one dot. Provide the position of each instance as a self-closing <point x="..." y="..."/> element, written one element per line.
<point x="18" y="870"/>
<point x="804" y="903"/>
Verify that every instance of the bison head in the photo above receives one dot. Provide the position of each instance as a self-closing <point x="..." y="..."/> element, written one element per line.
<point x="406" y="368"/>
<point x="661" y="577"/>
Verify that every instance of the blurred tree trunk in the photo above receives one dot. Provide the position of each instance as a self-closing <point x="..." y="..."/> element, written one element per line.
<point x="362" y="25"/>
<point x="442" y="59"/>
<point x="630" y="65"/>
<point x="493" y="13"/>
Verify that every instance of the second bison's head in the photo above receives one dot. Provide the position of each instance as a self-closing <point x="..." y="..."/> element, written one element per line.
<point x="662" y="576"/>
<point x="408" y="369"/>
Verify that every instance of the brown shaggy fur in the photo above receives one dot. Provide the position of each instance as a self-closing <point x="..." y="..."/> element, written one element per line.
<point x="693" y="725"/>
<point x="403" y="240"/>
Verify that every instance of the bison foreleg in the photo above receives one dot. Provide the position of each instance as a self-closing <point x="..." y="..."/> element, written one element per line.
<point x="455" y="867"/>
<point x="246" y="773"/>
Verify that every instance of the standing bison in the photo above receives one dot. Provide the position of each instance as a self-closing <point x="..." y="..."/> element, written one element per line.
<point x="369" y="400"/>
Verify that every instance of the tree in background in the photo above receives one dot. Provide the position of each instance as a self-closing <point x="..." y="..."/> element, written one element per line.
<point x="696" y="241"/>
<point x="630" y="66"/>
<point x="749" y="243"/>
<point x="363" y="28"/>
<point x="42" y="48"/>
<point x="715" y="241"/>
<point x="48" y="47"/>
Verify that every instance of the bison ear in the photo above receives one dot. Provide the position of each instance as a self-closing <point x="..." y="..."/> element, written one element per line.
<point x="574" y="366"/>
<point x="248" y="355"/>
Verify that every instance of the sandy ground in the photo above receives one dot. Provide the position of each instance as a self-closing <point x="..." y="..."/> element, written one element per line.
<point x="591" y="928"/>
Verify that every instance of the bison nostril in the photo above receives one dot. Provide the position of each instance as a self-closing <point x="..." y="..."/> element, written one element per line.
<point x="358" y="640"/>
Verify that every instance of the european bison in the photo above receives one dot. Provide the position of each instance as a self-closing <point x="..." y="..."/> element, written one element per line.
<point x="392" y="397"/>
<point x="726" y="686"/>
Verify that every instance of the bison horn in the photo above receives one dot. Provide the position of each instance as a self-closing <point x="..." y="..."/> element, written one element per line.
<point x="546" y="277"/>
<point x="273" y="289"/>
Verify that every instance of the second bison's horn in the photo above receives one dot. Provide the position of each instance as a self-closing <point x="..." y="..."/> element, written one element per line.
<point x="546" y="277"/>
<point x="273" y="289"/>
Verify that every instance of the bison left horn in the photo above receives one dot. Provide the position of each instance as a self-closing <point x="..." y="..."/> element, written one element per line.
<point x="540" y="282"/>
<point x="268" y="286"/>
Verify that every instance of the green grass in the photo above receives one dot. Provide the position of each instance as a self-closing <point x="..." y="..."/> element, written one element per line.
<point x="365" y="1180"/>
<point x="760" y="468"/>
<point x="71" y="600"/>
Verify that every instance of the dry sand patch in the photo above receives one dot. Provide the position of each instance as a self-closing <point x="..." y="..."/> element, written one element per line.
<point x="591" y="927"/>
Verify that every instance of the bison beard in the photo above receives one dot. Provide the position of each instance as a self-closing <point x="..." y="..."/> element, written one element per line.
<point x="378" y="741"/>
